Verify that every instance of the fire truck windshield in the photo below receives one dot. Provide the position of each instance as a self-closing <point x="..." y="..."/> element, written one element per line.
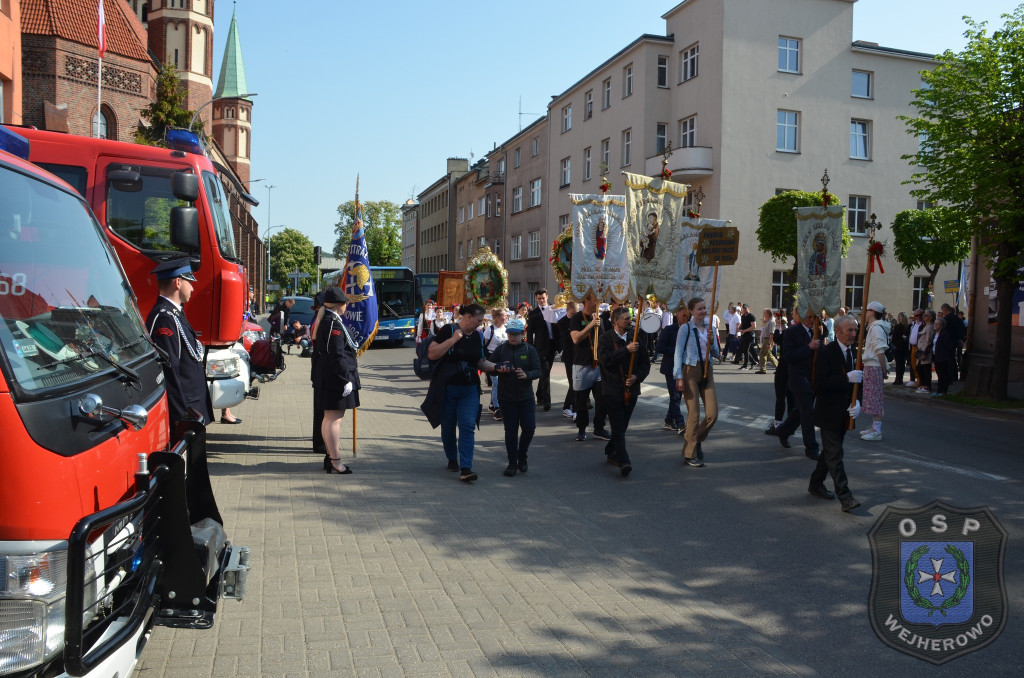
<point x="221" y="215"/>
<point x="66" y="313"/>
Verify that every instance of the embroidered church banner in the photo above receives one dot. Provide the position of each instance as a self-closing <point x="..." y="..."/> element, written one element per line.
<point x="599" y="254"/>
<point x="819" y="247"/>
<point x="690" y="279"/>
<point x="654" y="212"/>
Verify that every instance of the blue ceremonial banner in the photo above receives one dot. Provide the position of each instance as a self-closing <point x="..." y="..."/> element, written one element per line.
<point x="361" y="312"/>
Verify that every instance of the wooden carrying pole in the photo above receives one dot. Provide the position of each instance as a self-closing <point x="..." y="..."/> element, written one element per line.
<point x="711" y="322"/>
<point x="355" y="425"/>
<point x="860" y="334"/>
<point x="632" y="356"/>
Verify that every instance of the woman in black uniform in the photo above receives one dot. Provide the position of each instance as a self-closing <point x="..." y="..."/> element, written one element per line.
<point x="336" y="376"/>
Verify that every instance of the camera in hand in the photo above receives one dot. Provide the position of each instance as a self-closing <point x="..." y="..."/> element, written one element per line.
<point x="504" y="366"/>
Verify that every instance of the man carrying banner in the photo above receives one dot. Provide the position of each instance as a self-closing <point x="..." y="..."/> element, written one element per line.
<point x="586" y="377"/>
<point x="617" y="351"/>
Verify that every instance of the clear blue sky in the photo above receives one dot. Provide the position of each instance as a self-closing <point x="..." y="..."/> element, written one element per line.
<point x="389" y="90"/>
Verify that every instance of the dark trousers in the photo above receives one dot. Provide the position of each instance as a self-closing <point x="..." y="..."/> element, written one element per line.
<point x="784" y="400"/>
<point x="518" y="415"/>
<point x="544" y="383"/>
<point x="582" y="412"/>
<point x="731" y="344"/>
<point x="830" y="463"/>
<point x="318" y="435"/>
<point x="803" y="416"/>
<point x="619" y="413"/>
<point x="901" y="367"/>
<point x="924" y="375"/>
<point x="745" y="349"/>
<point x="570" y="395"/>
<point x="944" y="371"/>
<point x="674" y="416"/>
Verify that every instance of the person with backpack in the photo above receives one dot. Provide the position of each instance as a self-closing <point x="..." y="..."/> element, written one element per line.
<point x="515" y="393"/>
<point x="876" y="368"/>
<point x="494" y="336"/>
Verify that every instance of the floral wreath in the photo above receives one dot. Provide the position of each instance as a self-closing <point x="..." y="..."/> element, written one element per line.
<point x="563" y="241"/>
<point x="488" y="263"/>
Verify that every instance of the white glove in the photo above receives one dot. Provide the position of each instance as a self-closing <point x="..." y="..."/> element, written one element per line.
<point x="347" y="391"/>
<point x="854" y="411"/>
<point x="855" y="376"/>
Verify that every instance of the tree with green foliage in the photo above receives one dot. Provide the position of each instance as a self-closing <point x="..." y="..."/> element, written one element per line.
<point x="168" y="110"/>
<point x="382" y="220"/>
<point x="930" y="238"/>
<point x="776" y="230"/>
<point x="290" y="250"/>
<point x="970" y="129"/>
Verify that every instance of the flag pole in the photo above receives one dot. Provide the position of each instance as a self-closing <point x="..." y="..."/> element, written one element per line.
<point x="632" y="356"/>
<point x="871" y="227"/>
<point x="714" y="293"/>
<point x="355" y="410"/>
<point x="101" y="39"/>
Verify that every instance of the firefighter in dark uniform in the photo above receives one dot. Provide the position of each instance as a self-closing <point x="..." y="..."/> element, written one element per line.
<point x="184" y="373"/>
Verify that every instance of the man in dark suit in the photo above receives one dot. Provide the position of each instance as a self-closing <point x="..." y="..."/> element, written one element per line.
<point x="674" y="420"/>
<point x="540" y="331"/>
<point x="566" y="346"/>
<point x="614" y="350"/>
<point x="184" y="373"/>
<point x="799" y="346"/>
<point x="834" y="378"/>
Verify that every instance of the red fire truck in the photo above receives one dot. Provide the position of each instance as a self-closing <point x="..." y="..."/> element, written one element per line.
<point x="129" y="187"/>
<point x="108" y="524"/>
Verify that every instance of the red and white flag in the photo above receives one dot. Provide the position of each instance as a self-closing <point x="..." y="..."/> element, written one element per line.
<point x="101" y="31"/>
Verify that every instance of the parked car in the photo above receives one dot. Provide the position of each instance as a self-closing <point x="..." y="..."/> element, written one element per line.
<point x="302" y="310"/>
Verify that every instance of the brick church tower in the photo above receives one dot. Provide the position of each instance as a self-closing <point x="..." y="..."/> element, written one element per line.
<point x="232" y="110"/>
<point x="181" y="35"/>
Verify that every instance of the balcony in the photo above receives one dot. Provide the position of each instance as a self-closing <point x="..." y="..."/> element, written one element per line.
<point x="693" y="162"/>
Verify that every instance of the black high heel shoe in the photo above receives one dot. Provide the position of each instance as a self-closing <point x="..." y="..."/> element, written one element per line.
<point x="329" y="467"/>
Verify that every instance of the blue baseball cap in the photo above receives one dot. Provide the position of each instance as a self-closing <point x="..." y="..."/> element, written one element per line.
<point x="515" y="326"/>
<point x="174" y="268"/>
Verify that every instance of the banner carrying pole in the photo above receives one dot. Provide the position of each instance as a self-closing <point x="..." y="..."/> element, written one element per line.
<point x="714" y="293"/>
<point x="632" y="356"/>
<point x="874" y="251"/>
<point x="355" y="425"/>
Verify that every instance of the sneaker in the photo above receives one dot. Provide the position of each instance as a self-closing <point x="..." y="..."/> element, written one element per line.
<point x="669" y="427"/>
<point x="602" y="434"/>
<point x="911" y="383"/>
<point x="581" y="436"/>
<point x="938" y="395"/>
<point x="761" y="372"/>
<point x="568" y="414"/>
<point x="922" y="390"/>
<point x="453" y="466"/>
<point x="871" y="435"/>
<point x="510" y="470"/>
<point x="497" y="415"/>
<point x="865" y="432"/>
<point x="693" y="461"/>
<point x="492" y="408"/>
<point x="682" y="431"/>
<point x="467" y="475"/>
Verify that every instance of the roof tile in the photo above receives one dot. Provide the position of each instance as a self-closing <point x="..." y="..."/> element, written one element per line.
<point x="76" y="20"/>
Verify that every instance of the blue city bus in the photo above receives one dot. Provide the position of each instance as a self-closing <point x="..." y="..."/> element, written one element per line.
<point x="426" y="288"/>
<point x="395" y="289"/>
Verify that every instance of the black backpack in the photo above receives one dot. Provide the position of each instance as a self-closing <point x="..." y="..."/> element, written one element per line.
<point x="421" y="364"/>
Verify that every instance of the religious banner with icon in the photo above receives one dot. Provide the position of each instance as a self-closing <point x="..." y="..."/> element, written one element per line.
<point x="654" y="212"/>
<point x="361" y="313"/>
<point x="692" y="278"/>
<point x="599" y="262"/>
<point x="819" y="243"/>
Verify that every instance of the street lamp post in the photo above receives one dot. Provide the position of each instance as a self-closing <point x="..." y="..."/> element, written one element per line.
<point x="269" y="188"/>
<point x="196" y="114"/>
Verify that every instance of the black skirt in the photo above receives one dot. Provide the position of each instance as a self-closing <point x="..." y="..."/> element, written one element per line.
<point x="331" y="399"/>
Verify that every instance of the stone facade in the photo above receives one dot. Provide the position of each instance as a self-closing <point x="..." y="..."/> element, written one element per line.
<point x="410" y="231"/>
<point x="437" y="216"/>
<point x="471" y="215"/>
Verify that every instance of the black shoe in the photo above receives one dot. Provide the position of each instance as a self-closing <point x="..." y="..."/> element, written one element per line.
<point x="453" y="466"/>
<point x="849" y="504"/>
<point x="772" y="431"/>
<point x="547" y="407"/>
<point x="497" y="414"/>
<point x="693" y="461"/>
<point x="820" y="491"/>
<point x="625" y="470"/>
<point x="784" y="441"/>
<point x="330" y="468"/>
<point x="602" y="434"/>
<point x="510" y="470"/>
<point x="581" y="436"/>
<point x="813" y="456"/>
<point x="522" y="466"/>
<point x="467" y="475"/>
<point x="228" y="421"/>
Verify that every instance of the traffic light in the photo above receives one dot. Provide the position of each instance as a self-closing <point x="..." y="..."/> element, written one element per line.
<point x="317" y="251"/>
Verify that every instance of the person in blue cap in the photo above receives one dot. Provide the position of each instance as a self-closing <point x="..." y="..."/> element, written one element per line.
<point x="184" y="371"/>
<point x="515" y="393"/>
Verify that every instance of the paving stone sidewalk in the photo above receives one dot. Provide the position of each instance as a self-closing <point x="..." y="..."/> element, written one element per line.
<point x="402" y="570"/>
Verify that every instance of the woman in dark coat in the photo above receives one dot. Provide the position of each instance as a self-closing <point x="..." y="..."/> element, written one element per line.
<point x="901" y="345"/>
<point x="336" y="376"/>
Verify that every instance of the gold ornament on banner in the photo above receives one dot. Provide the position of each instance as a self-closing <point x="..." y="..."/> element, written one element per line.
<point x="486" y="279"/>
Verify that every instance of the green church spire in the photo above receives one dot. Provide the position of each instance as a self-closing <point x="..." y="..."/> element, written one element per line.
<point x="231" y="84"/>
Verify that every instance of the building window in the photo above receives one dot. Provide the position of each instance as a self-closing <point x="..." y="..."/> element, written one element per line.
<point x="531" y="288"/>
<point x="514" y="293"/>
<point x="627" y="141"/>
<point x="586" y="164"/>
<point x="921" y="299"/>
<point x="925" y="205"/>
<point x="501" y="167"/>
<point x="660" y="137"/>
<point x="566" y="118"/>
<point x="100" y="124"/>
<point x="563" y="221"/>
<point x="515" y="249"/>
<point x="860" y="144"/>
<point x="860" y="86"/>
<point x="588" y="105"/>
<point x="469" y="210"/>
<point x="789" y="55"/>
<point x="854" y="290"/>
<point x="688" y="132"/>
<point x="782" y="297"/>
<point x="497" y="205"/>
<point x="627" y="81"/>
<point x="462" y="250"/>
<point x="606" y="154"/>
<point x="517" y="199"/>
<point x="663" y="71"/>
<point x="534" y="192"/>
<point x="518" y="157"/>
<point x="481" y="206"/>
<point x="566" y="174"/>
<point x="606" y="96"/>
<point x="688" y="62"/>
<point x="786" y="129"/>
<point x="462" y="214"/>
<point x="533" y="245"/>
<point x="857" y="214"/>
<point x="483" y="242"/>
<point x="535" y="150"/>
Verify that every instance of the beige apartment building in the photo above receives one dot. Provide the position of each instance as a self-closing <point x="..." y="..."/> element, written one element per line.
<point x="755" y="97"/>
<point x="437" y="215"/>
<point x="410" y="230"/>
<point x="471" y="214"/>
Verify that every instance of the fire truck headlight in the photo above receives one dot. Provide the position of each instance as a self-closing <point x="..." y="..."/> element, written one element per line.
<point x="32" y="589"/>
<point x="222" y="368"/>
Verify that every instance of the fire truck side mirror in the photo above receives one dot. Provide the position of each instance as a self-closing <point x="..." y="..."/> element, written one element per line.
<point x="185" y="228"/>
<point x="185" y="186"/>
